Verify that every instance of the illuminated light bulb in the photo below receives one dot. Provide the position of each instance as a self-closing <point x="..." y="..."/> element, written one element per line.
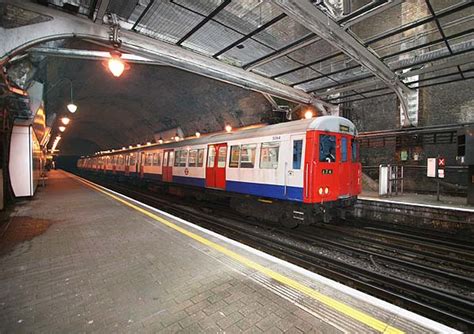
<point x="198" y="134"/>
<point x="130" y="146"/>
<point x="72" y="108"/>
<point x="228" y="128"/>
<point x="139" y="145"/>
<point x="65" y="120"/>
<point x="148" y="143"/>
<point x="160" y="140"/>
<point x="123" y="148"/>
<point x="62" y="128"/>
<point x="308" y="114"/>
<point x="116" y="66"/>
<point x="176" y="138"/>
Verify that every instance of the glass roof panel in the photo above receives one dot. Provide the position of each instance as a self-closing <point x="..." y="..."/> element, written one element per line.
<point x="458" y="22"/>
<point x="276" y="66"/>
<point x="439" y="5"/>
<point x="247" y="15"/>
<point x="211" y="38"/>
<point x="169" y="21"/>
<point x="314" y="51"/>
<point x="245" y="52"/>
<point x="456" y="76"/>
<point x="300" y="75"/>
<point x="282" y="33"/>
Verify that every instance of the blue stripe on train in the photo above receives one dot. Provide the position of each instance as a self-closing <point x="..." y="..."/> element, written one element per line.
<point x="190" y="181"/>
<point x="266" y="190"/>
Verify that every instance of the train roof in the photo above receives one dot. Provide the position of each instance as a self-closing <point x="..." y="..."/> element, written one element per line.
<point x="322" y="123"/>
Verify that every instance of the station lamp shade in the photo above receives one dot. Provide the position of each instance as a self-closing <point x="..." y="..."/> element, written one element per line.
<point x="65" y="120"/>
<point x="198" y="134"/>
<point x="228" y="128"/>
<point x="72" y="108"/>
<point x="115" y="64"/>
<point x="62" y="128"/>
<point x="308" y="114"/>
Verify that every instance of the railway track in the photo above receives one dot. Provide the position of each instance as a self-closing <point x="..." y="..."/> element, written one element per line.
<point x="378" y="278"/>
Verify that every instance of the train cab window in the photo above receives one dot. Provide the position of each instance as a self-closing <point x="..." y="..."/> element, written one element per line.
<point x="269" y="155"/>
<point x="200" y="157"/>
<point x="327" y="148"/>
<point x="247" y="156"/>
<point x="354" y="147"/>
<point x="211" y="156"/>
<point x="234" y="156"/>
<point x="221" y="156"/>
<point x="343" y="149"/>
<point x="192" y="158"/>
<point x="297" y="153"/>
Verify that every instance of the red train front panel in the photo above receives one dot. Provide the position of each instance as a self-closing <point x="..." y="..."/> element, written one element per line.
<point x="332" y="170"/>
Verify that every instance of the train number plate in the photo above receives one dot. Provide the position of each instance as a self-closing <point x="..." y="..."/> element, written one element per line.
<point x="327" y="171"/>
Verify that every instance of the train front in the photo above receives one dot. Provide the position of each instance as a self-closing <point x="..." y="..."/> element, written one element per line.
<point x="332" y="178"/>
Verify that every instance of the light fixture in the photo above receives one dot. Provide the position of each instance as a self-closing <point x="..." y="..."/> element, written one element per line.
<point x="72" y="108"/>
<point x="198" y="134"/>
<point x="62" y="128"/>
<point x="139" y="145"/>
<point x="308" y="114"/>
<point x="228" y="128"/>
<point x="123" y="148"/>
<point x="148" y="143"/>
<point x="65" y="120"/>
<point x="160" y="140"/>
<point x="130" y="146"/>
<point x="115" y="64"/>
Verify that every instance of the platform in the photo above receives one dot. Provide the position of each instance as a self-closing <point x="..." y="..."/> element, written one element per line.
<point x="425" y="200"/>
<point x="79" y="258"/>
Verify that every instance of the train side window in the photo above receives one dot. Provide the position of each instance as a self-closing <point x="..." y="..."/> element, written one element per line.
<point x="327" y="148"/>
<point x="221" y="156"/>
<point x="176" y="158"/>
<point x="192" y="158"/>
<point x="354" y="150"/>
<point x="156" y="159"/>
<point x="234" y="156"/>
<point x="180" y="158"/>
<point x="149" y="159"/>
<point x="200" y="157"/>
<point x="269" y="155"/>
<point x="247" y="155"/>
<point x="343" y="149"/>
<point x="211" y="155"/>
<point x="171" y="158"/>
<point x="297" y="153"/>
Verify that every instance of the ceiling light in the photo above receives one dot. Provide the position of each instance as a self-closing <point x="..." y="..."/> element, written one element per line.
<point x="116" y="64"/>
<point x="62" y="128"/>
<point x="65" y="120"/>
<point x="308" y="114"/>
<point x="198" y="134"/>
<point x="72" y="108"/>
<point x="228" y="128"/>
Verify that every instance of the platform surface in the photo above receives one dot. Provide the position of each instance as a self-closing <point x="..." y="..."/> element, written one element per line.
<point x="445" y="202"/>
<point x="81" y="259"/>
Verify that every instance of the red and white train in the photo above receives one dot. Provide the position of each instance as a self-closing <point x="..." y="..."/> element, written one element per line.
<point x="309" y="167"/>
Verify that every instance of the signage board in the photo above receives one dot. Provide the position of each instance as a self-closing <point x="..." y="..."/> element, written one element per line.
<point x="431" y="167"/>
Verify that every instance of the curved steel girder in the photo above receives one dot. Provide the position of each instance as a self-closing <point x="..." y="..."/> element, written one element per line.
<point x="307" y="14"/>
<point x="63" y="25"/>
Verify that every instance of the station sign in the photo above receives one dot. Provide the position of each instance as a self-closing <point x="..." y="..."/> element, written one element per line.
<point x="431" y="167"/>
<point x="441" y="173"/>
<point x="441" y="162"/>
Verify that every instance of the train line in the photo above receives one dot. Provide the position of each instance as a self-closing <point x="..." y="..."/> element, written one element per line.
<point x="377" y="278"/>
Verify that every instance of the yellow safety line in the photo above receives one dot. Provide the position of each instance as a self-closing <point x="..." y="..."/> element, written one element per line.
<point x="328" y="301"/>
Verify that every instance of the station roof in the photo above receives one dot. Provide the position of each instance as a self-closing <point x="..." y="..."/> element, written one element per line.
<point x="432" y="38"/>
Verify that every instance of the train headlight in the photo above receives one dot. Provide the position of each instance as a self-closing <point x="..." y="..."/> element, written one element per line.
<point x="320" y="191"/>
<point x="326" y="190"/>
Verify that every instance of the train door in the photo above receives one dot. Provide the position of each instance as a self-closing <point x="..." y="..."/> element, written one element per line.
<point x="167" y="169"/>
<point x="294" y="169"/>
<point x="344" y="169"/>
<point x="141" y="164"/>
<point x="216" y="165"/>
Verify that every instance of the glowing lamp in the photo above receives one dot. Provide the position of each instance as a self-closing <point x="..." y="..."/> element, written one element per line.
<point x="116" y="65"/>
<point x="308" y="114"/>
<point x="198" y="134"/>
<point x="148" y="143"/>
<point x="65" y="120"/>
<point x="160" y="140"/>
<point x="228" y="128"/>
<point x="72" y="108"/>
<point x="62" y="128"/>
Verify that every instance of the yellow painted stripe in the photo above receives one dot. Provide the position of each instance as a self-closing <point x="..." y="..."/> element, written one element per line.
<point x="328" y="301"/>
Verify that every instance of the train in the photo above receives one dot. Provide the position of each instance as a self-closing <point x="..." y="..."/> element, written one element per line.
<point x="298" y="172"/>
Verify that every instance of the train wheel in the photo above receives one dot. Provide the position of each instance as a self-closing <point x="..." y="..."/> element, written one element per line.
<point x="288" y="221"/>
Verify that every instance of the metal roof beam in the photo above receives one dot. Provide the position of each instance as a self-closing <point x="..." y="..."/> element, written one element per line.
<point x="310" y="16"/>
<point x="63" y="25"/>
<point x="453" y="61"/>
<point x="102" y="10"/>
